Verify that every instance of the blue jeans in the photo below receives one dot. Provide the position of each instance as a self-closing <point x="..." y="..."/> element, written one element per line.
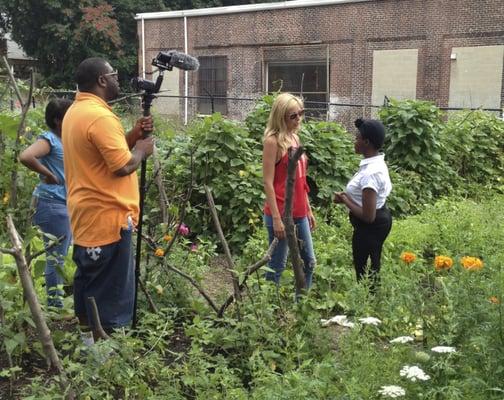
<point x="52" y="218"/>
<point x="279" y="256"/>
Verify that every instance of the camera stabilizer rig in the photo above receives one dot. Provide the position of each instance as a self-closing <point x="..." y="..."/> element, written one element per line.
<point x="165" y="61"/>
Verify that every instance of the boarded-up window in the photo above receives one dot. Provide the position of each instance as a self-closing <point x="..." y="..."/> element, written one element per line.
<point x="308" y="79"/>
<point x="394" y="74"/>
<point x="212" y="82"/>
<point x="476" y="76"/>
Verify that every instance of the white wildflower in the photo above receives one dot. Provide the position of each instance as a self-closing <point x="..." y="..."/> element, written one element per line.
<point x="392" y="391"/>
<point x="443" y="349"/>
<point x="402" y="339"/>
<point x="414" y="373"/>
<point x="370" y="321"/>
<point x="341" y="320"/>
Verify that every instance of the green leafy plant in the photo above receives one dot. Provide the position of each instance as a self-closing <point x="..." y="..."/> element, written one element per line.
<point x="475" y="147"/>
<point x="414" y="143"/>
<point x="332" y="160"/>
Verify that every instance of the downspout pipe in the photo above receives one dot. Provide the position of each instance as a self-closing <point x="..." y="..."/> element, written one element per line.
<point x="143" y="47"/>
<point x="186" y="76"/>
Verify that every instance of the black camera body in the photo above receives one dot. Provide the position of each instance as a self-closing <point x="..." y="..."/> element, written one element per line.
<point x="140" y="84"/>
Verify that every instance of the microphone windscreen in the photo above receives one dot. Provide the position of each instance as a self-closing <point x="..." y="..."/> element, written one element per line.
<point x="183" y="61"/>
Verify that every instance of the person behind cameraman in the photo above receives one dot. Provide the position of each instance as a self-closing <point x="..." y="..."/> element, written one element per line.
<point x="45" y="156"/>
<point x="103" y="197"/>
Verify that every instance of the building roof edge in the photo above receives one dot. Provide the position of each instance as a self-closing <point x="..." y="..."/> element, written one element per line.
<point x="200" y="12"/>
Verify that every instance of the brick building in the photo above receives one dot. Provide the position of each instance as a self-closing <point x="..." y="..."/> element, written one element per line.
<point x="345" y="52"/>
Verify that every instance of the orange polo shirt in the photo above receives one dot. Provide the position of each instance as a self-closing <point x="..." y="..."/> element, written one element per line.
<point x="94" y="146"/>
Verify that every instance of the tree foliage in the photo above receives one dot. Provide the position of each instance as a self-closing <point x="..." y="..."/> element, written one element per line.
<point x="61" y="33"/>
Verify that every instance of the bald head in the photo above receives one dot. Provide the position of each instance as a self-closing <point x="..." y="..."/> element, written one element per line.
<point x="89" y="71"/>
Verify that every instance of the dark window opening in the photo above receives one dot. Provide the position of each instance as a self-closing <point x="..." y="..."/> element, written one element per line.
<point x="306" y="79"/>
<point x="212" y="82"/>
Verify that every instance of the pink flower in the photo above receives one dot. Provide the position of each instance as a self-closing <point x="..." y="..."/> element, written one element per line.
<point x="194" y="247"/>
<point x="183" y="229"/>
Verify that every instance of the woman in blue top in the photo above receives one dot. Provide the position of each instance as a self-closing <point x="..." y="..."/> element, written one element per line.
<point x="45" y="156"/>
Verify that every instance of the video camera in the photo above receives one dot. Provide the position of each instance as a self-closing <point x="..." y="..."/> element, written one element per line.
<point x="165" y="61"/>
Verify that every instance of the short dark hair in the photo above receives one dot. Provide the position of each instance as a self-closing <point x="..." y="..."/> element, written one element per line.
<point x="88" y="73"/>
<point x="372" y="130"/>
<point x="55" y="110"/>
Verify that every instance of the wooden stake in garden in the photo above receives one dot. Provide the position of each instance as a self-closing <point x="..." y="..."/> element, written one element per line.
<point x="288" y="220"/>
<point x="227" y="252"/>
<point x="43" y="331"/>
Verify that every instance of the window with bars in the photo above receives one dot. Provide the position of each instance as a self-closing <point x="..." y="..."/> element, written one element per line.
<point x="212" y="82"/>
<point x="305" y="78"/>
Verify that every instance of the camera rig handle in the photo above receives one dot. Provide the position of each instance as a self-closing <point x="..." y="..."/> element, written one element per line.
<point x="149" y="89"/>
<point x="165" y="61"/>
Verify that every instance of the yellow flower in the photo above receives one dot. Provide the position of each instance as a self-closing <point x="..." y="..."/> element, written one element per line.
<point x="167" y="238"/>
<point x="408" y="257"/>
<point x="159" y="252"/>
<point x="494" y="300"/>
<point x="6" y="197"/>
<point x="442" y="262"/>
<point x="471" y="263"/>
<point x="242" y="173"/>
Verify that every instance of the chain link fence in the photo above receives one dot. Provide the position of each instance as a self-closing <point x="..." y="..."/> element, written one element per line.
<point x="185" y="108"/>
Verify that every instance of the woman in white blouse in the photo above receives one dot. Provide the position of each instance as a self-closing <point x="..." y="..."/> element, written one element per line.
<point x="365" y="197"/>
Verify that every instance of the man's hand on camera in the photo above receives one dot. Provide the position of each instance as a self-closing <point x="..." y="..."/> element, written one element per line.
<point x="142" y="124"/>
<point x="145" y="124"/>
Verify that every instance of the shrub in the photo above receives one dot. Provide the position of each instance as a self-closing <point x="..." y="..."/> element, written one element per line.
<point x="405" y="197"/>
<point x="332" y="160"/>
<point x="229" y="162"/>
<point x="256" y="120"/>
<point x="412" y="140"/>
<point x="475" y="146"/>
<point x="9" y="150"/>
<point x="413" y="143"/>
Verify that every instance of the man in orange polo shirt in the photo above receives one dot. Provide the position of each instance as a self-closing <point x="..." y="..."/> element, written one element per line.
<point x="103" y="198"/>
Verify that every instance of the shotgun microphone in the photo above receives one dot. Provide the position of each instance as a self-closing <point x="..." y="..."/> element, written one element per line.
<point x="169" y="59"/>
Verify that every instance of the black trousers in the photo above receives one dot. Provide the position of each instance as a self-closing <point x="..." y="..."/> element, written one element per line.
<point x="367" y="242"/>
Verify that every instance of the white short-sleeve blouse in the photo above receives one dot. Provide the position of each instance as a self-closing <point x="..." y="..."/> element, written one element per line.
<point x="373" y="174"/>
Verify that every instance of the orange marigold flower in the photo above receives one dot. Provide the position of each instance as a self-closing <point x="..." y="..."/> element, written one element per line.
<point x="159" y="252"/>
<point x="471" y="263"/>
<point x="443" y="262"/>
<point x="494" y="300"/>
<point x="408" y="257"/>
<point x="167" y="237"/>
